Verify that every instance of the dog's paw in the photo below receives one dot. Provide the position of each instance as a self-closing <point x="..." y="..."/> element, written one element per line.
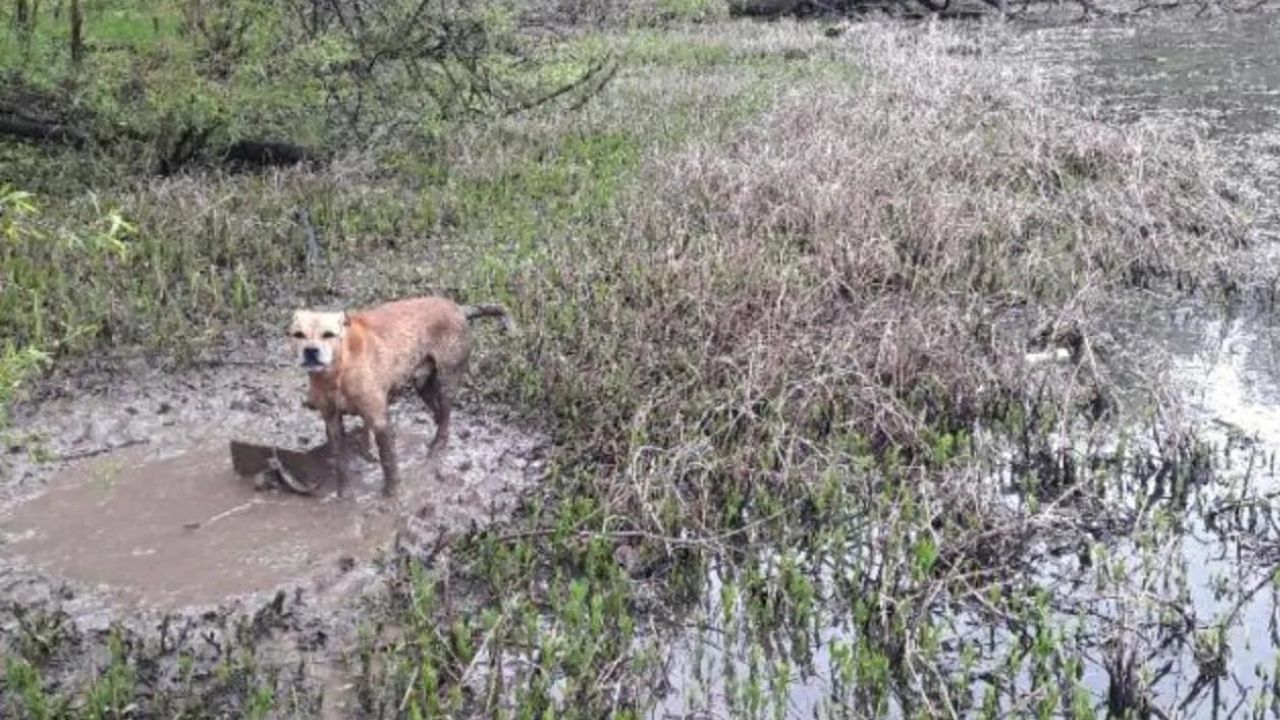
<point x="388" y="505"/>
<point x="265" y="480"/>
<point x="340" y="494"/>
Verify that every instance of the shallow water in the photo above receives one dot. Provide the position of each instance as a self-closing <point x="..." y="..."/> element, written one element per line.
<point x="1220" y="75"/>
<point x="184" y="530"/>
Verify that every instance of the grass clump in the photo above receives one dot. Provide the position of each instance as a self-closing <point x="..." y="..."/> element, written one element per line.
<point x="171" y="263"/>
<point x="847" y="264"/>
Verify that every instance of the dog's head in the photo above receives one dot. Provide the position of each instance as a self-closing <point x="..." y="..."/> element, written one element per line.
<point x="315" y="338"/>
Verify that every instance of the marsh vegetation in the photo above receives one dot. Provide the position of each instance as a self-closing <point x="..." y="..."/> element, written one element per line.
<point x="778" y="286"/>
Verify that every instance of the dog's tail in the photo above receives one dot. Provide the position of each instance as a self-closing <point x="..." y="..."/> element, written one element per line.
<point x="490" y="310"/>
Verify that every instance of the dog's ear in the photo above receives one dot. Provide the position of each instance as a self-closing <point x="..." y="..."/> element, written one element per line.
<point x="346" y="319"/>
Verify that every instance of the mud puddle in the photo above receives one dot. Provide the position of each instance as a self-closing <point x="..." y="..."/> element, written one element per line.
<point x="119" y="509"/>
<point x="171" y="531"/>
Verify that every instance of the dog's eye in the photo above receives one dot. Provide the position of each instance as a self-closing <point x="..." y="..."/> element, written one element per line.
<point x="300" y="335"/>
<point x="328" y="335"/>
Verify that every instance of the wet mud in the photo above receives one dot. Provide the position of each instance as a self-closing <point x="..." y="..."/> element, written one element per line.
<point x="120" y="506"/>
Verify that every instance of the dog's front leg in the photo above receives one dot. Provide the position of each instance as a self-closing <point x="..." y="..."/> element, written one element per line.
<point x="337" y="450"/>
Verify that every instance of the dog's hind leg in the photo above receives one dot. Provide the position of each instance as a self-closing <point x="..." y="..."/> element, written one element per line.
<point x="386" y="441"/>
<point x="436" y="391"/>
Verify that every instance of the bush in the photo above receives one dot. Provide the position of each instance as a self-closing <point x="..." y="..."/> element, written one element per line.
<point x="297" y="80"/>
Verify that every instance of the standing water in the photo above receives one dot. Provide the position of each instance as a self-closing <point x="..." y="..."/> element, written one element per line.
<point x="1222" y="76"/>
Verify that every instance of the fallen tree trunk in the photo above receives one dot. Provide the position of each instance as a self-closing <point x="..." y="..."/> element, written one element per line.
<point x="242" y="154"/>
<point x="23" y="128"/>
<point x="267" y="153"/>
<point x="762" y="8"/>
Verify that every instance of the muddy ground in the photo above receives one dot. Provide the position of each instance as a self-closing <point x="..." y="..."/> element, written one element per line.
<point x="121" y="507"/>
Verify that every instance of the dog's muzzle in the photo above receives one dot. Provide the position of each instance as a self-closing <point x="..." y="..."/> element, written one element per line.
<point x="311" y="359"/>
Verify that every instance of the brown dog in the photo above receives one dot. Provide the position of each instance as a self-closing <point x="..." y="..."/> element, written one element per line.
<point x="358" y="360"/>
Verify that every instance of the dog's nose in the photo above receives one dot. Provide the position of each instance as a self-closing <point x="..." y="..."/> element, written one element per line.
<point x="311" y="355"/>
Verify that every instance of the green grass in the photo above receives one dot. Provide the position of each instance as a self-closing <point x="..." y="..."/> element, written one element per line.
<point x="193" y="257"/>
<point x="42" y="50"/>
<point x="658" y="48"/>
